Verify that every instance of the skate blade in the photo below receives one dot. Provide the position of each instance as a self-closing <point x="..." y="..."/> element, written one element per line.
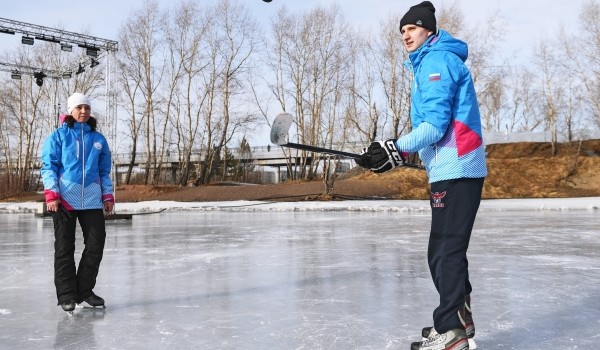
<point x="472" y="344"/>
<point x="88" y="306"/>
<point x="97" y="308"/>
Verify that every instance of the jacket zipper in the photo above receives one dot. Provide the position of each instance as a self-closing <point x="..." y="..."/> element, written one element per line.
<point x="82" y="170"/>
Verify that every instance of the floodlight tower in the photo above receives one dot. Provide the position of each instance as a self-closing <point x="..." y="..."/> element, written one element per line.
<point x="95" y="49"/>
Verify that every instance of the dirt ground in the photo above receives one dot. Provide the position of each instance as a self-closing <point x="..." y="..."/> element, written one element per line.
<point x="516" y="170"/>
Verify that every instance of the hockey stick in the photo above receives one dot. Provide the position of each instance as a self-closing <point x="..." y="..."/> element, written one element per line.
<point x="279" y="132"/>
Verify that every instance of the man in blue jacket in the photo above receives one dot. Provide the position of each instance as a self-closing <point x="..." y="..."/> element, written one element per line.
<point x="76" y="165"/>
<point x="447" y="135"/>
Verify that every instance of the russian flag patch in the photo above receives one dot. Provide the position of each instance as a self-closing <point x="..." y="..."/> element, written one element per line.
<point x="435" y="77"/>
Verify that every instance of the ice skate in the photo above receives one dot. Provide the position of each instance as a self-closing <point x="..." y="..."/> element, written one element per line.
<point x="454" y="339"/>
<point x="466" y="318"/>
<point x="93" y="300"/>
<point x="68" y="306"/>
<point x="427" y="332"/>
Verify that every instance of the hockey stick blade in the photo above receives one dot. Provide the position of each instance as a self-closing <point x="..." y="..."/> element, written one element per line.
<point x="280" y="128"/>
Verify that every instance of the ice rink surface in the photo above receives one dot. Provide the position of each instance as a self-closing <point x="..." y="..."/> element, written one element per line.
<point x="305" y="279"/>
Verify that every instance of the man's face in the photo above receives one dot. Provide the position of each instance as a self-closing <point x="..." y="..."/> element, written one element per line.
<point x="414" y="36"/>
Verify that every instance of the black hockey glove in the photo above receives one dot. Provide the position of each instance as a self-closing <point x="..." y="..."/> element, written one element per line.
<point x="381" y="156"/>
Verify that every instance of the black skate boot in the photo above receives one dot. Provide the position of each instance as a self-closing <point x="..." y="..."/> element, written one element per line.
<point x="92" y="300"/>
<point x="68" y="305"/>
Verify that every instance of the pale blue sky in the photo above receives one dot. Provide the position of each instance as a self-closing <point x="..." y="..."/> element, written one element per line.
<point x="526" y="20"/>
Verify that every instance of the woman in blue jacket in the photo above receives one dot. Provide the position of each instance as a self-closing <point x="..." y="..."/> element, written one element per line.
<point x="447" y="134"/>
<point x="76" y="165"/>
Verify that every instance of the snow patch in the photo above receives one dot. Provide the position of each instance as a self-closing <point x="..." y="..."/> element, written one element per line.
<point x="396" y="206"/>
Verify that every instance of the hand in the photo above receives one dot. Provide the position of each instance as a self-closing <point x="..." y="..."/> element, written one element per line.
<point x="381" y="156"/>
<point x="108" y="207"/>
<point x="52" y="206"/>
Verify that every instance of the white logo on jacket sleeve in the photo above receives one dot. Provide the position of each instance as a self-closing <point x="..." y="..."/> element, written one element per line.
<point x="97" y="145"/>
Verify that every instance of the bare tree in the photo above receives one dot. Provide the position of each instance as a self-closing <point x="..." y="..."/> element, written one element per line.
<point x="185" y="31"/>
<point x="233" y="41"/>
<point x="522" y="111"/>
<point x="140" y="53"/>
<point x="390" y="55"/>
<point x="552" y="91"/>
<point x="491" y="99"/>
<point x="20" y="134"/>
<point x="572" y="111"/>
<point x="361" y="111"/>
<point x="311" y="50"/>
<point x="129" y="90"/>
<point x="583" y="56"/>
<point x="483" y="42"/>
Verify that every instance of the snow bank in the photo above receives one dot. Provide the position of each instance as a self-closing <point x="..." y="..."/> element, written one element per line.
<point x="409" y="206"/>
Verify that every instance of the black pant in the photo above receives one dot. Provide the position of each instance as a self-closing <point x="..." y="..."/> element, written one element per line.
<point x="70" y="283"/>
<point x="454" y="205"/>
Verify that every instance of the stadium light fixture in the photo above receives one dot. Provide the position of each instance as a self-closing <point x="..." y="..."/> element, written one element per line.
<point x="66" y="47"/>
<point x="93" y="52"/>
<point x="27" y="40"/>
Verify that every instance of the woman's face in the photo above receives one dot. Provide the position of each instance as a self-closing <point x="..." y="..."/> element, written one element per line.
<point x="81" y="113"/>
<point x="414" y="36"/>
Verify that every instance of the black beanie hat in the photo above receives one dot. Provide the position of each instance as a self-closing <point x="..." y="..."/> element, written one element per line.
<point x="422" y="15"/>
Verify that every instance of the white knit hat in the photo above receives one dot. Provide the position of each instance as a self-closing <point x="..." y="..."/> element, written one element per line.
<point x="77" y="99"/>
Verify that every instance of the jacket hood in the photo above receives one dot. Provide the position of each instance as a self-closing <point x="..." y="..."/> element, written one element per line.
<point x="442" y="41"/>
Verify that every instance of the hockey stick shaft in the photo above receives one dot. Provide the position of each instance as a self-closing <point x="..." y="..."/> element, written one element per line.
<point x="321" y="150"/>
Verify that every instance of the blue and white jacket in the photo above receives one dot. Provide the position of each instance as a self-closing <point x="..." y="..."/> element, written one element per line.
<point x="76" y="165"/>
<point x="444" y="111"/>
